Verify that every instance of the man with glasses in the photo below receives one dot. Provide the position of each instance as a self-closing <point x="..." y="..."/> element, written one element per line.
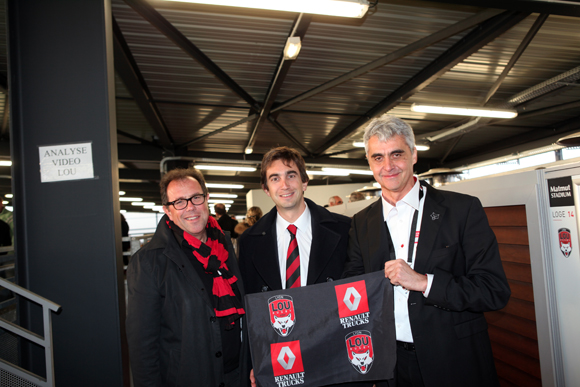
<point x="185" y="319"/>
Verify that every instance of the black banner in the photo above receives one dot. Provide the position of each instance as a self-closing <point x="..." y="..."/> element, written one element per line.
<point x="336" y="332"/>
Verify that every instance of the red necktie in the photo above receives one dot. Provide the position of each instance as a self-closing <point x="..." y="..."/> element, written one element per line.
<point x="292" y="261"/>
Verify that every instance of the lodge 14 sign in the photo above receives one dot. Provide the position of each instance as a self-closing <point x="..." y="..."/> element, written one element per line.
<point x="66" y="162"/>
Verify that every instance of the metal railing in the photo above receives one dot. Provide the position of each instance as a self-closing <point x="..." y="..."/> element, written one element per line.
<point x="46" y="341"/>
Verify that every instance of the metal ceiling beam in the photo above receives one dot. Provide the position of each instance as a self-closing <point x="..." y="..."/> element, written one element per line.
<point x="299" y="29"/>
<point x="217" y="131"/>
<point x="516" y="56"/>
<point x="554" y="7"/>
<point x="137" y="138"/>
<point x="286" y="133"/>
<point x="173" y="34"/>
<point x="129" y="72"/>
<point x="531" y="139"/>
<point x="471" y="43"/>
<point x="393" y="56"/>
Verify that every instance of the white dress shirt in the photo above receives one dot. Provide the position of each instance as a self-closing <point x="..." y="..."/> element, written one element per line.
<point x="399" y="219"/>
<point x="303" y="236"/>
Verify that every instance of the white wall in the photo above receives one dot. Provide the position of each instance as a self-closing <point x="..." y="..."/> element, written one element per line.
<point x="319" y="194"/>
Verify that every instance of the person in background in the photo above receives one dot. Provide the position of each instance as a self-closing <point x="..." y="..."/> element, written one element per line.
<point x="440" y="254"/>
<point x="224" y="219"/>
<point x="355" y="197"/>
<point x="334" y="201"/>
<point x="185" y="308"/>
<point x="252" y="216"/>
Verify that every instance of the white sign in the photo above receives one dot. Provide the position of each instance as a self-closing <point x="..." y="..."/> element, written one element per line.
<point x="66" y="162"/>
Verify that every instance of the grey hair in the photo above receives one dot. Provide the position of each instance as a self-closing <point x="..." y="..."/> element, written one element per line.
<point x="387" y="126"/>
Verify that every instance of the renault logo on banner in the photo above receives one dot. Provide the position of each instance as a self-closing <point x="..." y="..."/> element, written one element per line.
<point x="351" y="299"/>
<point x="353" y="304"/>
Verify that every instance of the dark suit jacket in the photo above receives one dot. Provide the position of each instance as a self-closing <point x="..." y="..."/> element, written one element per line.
<point x="259" y="250"/>
<point x="259" y="253"/>
<point x="172" y="330"/>
<point x="457" y="245"/>
<point x="228" y="224"/>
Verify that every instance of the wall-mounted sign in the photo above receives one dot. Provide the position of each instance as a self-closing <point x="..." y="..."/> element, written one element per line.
<point x="563" y="216"/>
<point x="66" y="162"/>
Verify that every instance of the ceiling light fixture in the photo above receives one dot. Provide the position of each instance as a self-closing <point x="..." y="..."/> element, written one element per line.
<point x="358" y="144"/>
<point x="214" y="201"/>
<point x="422" y="147"/>
<point x="292" y="48"/>
<point x="223" y="195"/>
<point x="225" y="168"/>
<point x="130" y="199"/>
<point x="350" y="171"/>
<point x="142" y="204"/>
<point x="328" y="173"/>
<point x="343" y="8"/>
<point x="457" y="111"/>
<point x="225" y="186"/>
<point x="248" y="150"/>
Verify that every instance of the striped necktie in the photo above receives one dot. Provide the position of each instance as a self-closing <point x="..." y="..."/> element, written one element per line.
<point x="292" y="261"/>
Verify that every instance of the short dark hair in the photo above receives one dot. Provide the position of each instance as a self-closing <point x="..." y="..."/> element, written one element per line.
<point x="180" y="174"/>
<point x="220" y="209"/>
<point x="287" y="155"/>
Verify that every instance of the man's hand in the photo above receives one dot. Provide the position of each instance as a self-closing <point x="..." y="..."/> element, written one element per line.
<point x="252" y="378"/>
<point x="400" y="273"/>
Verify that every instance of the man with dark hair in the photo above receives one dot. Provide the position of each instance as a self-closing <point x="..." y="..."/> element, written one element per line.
<point x="224" y="219"/>
<point x="437" y="249"/>
<point x="298" y="242"/>
<point x="185" y="311"/>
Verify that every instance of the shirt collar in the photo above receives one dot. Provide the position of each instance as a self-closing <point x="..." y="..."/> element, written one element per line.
<point x="301" y="223"/>
<point x="411" y="198"/>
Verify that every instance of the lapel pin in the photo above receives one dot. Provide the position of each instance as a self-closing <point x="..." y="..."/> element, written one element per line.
<point x="434" y="216"/>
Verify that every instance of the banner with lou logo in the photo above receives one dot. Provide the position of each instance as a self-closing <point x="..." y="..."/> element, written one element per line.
<point x="330" y="333"/>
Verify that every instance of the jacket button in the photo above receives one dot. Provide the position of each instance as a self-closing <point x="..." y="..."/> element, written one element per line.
<point x="218" y="354"/>
<point x="212" y="319"/>
<point x="329" y="279"/>
<point x="264" y="288"/>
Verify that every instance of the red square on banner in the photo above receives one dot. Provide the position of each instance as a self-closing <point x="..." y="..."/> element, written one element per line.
<point x="352" y="299"/>
<point x="286" y="358"/>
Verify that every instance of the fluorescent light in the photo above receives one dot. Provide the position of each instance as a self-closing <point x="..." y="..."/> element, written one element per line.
<point x="350" y="171"/>
<point x="5" y="202"/>
<point x="220" y="201"/>
<point x="9" y="196"/>
<point x="5" y="163"/>
<point x="143" y="204"/>
<point x="157" y="208"/>
<point x="292" y="48"/>
<point x="248" y="150"/>
<point x="130" y="199"/>
<point x="225" y="186"/>
<point x="422" y="147"/>
<point x="225" y="168"/>
<point x="475" y="112"/>
<point x="343" y="8"/>
<point x="328" y="173"/>
<point x="223" y="195"/>
<point x="359" y="144"/>
<point x="122" y="193"/>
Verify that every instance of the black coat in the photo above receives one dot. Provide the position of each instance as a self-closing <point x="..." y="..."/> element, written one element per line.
<point x="258" y="248"/>
<point x="459" y="248"/>
<point x="173" y="335"/>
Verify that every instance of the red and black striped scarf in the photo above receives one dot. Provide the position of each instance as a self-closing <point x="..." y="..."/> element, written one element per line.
<point x="213" y="255"/>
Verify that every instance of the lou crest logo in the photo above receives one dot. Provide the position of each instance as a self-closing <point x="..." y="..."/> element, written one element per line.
<point x="359" y="346"/>
<point x="287" y="363"/>
<point x="282" y="316"/>
<point x="565" y="239"/>
<point x="353" y="304"/>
